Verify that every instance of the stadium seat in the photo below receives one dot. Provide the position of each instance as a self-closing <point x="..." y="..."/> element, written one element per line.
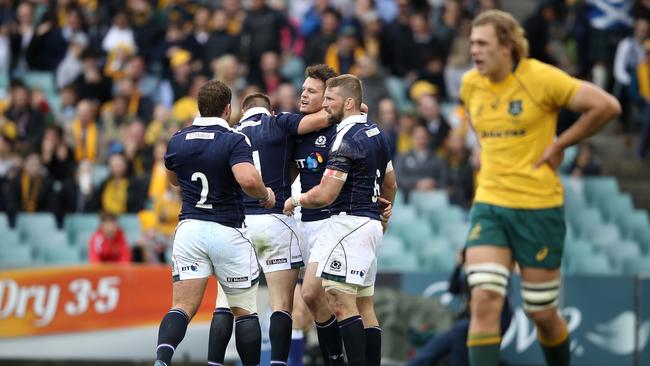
<point x="437" y="255"/>
<point x="4" y="222"/>
<point x="100" y="173"/>
<point x="417" y="232"/>
<point x="43" y="80"/>
<point x="585" y="220"/>
<point x="451" y="214"/>
<point x="604" y="235"/>
<point x="597" y="264"/>
<point x="47" y="238"/>
<point x="599" y="186"/>
<point x="456" y="232"/>
<point x="642" y="236"/>
<point x="60" y="254"/>
<point x="621" y="251"/>
<point x="636" y="265"/>
<point x="427" y="201"/>
<point x="397" y="90"/>
<point x="33" y="223"/>
<point x="76" y="223"/>
<point x="570" y="154"/>
<point x="399" y="199"/>
<point x="401" y="219"/>
<point x="405" y="262"/>
<point x="9" y="237"/>
<point x="577" y="249"/>
<point x="614" y="206"/>
<point x="16" y="256"/>
<point x="628" y="222"/>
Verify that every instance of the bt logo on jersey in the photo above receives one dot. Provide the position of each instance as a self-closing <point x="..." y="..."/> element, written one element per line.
<point x="313" y="161"/>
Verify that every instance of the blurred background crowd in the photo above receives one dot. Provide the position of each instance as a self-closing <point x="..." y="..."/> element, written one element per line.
<point x="92" y="90"/>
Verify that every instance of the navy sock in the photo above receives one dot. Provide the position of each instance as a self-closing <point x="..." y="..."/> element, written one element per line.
<point x="373" y="346"/>
<point x="170" y="334"/>
<point x="329" y="339"/>
<point x="220" y="333"/>
<point x="248" y="339"/>
<point x="354" y="340"/>
<point x="297" y="349"/>
<point x="280" y="336"/>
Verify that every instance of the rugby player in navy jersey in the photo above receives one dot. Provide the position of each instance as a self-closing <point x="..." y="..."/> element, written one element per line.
<point x="358" y="174"/>
<point x="212" y="163"/>
<point x="311" y="157"/>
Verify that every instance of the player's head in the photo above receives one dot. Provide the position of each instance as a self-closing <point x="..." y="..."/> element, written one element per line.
<point x="256" y="100"/>
<point x="313" y="88"/>
<point x="343" y="95"/>
<point x="214" y="99"/>
<point x="497" y="39"/>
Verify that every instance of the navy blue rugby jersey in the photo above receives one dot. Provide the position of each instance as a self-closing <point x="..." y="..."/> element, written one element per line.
<point x="361" y="150"/>
<point x="312" y="151"/>
<point x="202" y="156"/>
<point x="272" y="140"/>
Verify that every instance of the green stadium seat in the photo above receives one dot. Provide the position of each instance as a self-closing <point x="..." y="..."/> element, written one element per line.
<point x="45" y="238"/>
<point x="427" y="201"/>
<point x="399" y="199"/>
<point x="33" y="223"/>
<point x="604" y="235"/>
<point x="4" y="222"/>
<point x="100" y="173"/>
<point x="598" y="264"/>
<point x="401" y="219"/>
<point x="60" y="254"/>
<point x="599" y="186"/>
<point x="405" y="262"/>
<point x="636" y="265"/>
<point x="642" y="236"/>
<point x="614" y="206"/>
<point x="577" y="249"/>
<point x="628" y="222"/>
<point x="397" y="90"/>
<point x="570" y="154"/>
<point x="418" y="232"/>
<point x="584" y="221"/>
<point x="76" y="223"/>
<point x="16" y="256"/>
<point x="621" y="251"/>
<point x="43" y="80"/>
<point x="391" y="246"/>
<point x="9" y="237"/>
<point x="456" y="232"/>
<point x="451" y="214"/>
<point x="438" y="255"/>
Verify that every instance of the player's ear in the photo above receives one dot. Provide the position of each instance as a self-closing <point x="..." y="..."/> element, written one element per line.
<point x="226" y="112"/>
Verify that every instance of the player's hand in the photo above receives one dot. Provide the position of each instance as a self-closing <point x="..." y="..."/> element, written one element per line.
<point x="552" y="156"/>
<point x="386" y="208"/>
<point x="289" y="207"/>
<point x="384" y="226"/>
<point x="269" y="202"/>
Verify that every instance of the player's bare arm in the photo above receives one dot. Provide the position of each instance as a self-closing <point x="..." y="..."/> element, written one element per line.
<point x="596" y="107"/>
<point x="320" y="196"/>
<point x="173" y="179"/>
<point x="388" y="191"/>
<point x="313" y="122"/>
<point x="251" y="183"/>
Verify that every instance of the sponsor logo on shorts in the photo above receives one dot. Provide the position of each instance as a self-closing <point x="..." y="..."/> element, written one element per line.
<point x="542" y="254"/>
<point x="237" y="279"/>
<point x="475" y="232"/>
<point x="296" y="257"/>
<point x="359" y="273"/>
<point x="335" y="265"/>
<point x="276" y="261"/>
<point x="192" y="267"/>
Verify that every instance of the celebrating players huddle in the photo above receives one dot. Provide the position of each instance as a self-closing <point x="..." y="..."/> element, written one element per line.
<point x="237" y="213"/>
<point x="348" y="185"/>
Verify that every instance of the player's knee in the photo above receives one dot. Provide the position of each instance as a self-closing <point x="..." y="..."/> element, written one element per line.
<point x="488" y="283"/>
<point x="540" y="297"/>
<point x="188" y="308"/>
<point x="543" y="318"/>
<point x="313" y="296"/>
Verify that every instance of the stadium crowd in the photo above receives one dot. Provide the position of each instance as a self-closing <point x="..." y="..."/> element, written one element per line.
<point x="94" y="89"/>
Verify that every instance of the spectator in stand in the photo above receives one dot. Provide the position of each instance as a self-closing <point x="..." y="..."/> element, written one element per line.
<point x="92" y="84"/>
<point x="20" y="36"/>
<point x="395" y="40"/>
<point x="84" y="132"/>
<point x="538" y="31"/>
<point x="459" y="61"/>
<point x="186" y="109"/>
<point x="313" y="20"/>
<point x="179" y="84"/>
<point x="270" y="77"/>
<point x="31" y="189"/>
<point x="29" y="122"/>
<point x="318" y="43"/>
<point x="144" y="82"/>
<point x="148" y="24"/>
<point x="67" y="110"/>
<point x="47" y="47"/>
<point x="138" y="154"/>
<point x="71" y="66"/>
<point x="286" y="99"/>
<point x="430" y="116"/>
<point x="120" y="193"/>
<point x="7" y="169"/>
<point x="629" y="53"/>
<point x="387" y="119"/>
<point x="108" y="244"/>
<point x="140" y="106"/>
<point x="220" y="42"/>
<point x="420" y="169"/>
<point x="460" y="183"/>
<point x="422" y="45"/>
<point x="77" y="195"/>
<point x="120" y="34"/>
<point x="57" y="156"/>
<point x="374" y="83"/>
<point x="227" y="69"/>
<point x="585" y="163"/>
<point x="407" y="121"/>
<point x="342" y="55"/>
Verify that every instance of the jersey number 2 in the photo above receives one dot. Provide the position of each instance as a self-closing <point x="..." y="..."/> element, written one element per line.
<point x="204" y="190"/>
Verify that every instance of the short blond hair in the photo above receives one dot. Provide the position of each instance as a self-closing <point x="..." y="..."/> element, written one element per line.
<point x="507" y="29"/>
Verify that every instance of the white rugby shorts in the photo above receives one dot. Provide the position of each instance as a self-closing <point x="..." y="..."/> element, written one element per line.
<point x="310" y="232"/>
<point x="201" y="247"/>
<point x="348" y="251"/>
<point x="277" y="241"/>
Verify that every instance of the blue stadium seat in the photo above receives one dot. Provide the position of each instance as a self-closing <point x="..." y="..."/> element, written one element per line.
<point x="628" y="222"/>
<point x="622" y="251"/>
<point x="43" y="80"/>
<point x="401" y="219"/>
<point x="598" y="264"/>
<point x="604" y="235"/>
<point x="427" y="201"/>
<point x="636" y="265"/>
<point x="76" y="223"/>
<point x="404" y="262"/>
<point x="60" y="254"/>
<point x="46" y="238"/>
<point x="614" y="206"/>
<point x="456" y="232"/>
<point x="600" y="186"/>
<point x="416" y="233"/>
<point x="585" y="220"/>
<point x="4" y="222"/>
<point x="451" y="214"/>
<point x="642" y="236"/>
<point x="9" y="237"/>
<point x="437" y="255"/>
<point x="100" y="173"/>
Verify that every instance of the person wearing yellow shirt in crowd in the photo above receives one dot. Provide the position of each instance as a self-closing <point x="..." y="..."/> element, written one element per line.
<point x="120" y="193"/>
<point x="643" y="80"/>
<point x="341" y="56"/>
<point x="185" y="109"/>
<point x="30" y="190"/>
<point x="518" y="214"/>
<point x="84" y="132"/>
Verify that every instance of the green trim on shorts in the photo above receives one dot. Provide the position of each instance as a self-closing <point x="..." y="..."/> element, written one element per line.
<point x="535" y="236"/>
<point x="331" y="277"/>
<point x="297" y="265"/>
